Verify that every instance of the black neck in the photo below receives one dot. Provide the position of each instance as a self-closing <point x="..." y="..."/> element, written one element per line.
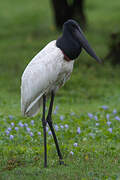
<point x="69" y="45"/>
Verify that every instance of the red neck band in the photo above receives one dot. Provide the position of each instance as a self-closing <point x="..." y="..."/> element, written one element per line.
<point x="66" y="57"/>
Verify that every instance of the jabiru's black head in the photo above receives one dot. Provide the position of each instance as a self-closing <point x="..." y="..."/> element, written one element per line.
<point x="73" y="41"/>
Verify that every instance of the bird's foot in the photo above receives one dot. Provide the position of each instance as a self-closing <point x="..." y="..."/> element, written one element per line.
<point x="45" y="165"/>
<point x="61" y="162"/>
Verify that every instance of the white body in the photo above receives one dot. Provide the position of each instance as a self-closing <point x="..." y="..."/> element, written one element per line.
<point x="46" y="72"/>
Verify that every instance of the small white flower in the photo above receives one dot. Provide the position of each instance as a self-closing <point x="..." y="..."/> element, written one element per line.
<point x="71" y="152"/>
<point x="92" y="135"/>
<point x="78" y="130"/>
<point x="75" y="144"/>
<point x="84" y="139"/>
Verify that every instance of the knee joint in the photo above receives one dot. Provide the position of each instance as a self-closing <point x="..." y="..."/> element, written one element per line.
<point x="44" y="123"/>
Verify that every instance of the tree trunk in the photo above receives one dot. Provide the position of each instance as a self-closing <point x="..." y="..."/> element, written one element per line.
<point x="114" y="49"/>
<point x="78" y="12"/>
<point x="64" y="11"/>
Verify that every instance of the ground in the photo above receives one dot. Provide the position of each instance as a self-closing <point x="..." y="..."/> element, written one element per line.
<point x="86" y="111"/>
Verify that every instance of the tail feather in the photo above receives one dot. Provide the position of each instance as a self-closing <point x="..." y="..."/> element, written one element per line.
<point x="33" y="108"/>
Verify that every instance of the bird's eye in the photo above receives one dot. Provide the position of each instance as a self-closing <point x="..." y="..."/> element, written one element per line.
<point x="74" y="26"/>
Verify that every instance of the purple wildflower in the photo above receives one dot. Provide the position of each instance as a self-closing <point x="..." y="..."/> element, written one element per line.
<point x="47" y="128"/>
<point x="90" y="115"/>
<point x="114" y="111"/>
<point x="32" y="122"/>
<point x="108" y="116"/>
<point x="61" y="126"/>
<point x="50" y="133"/>
<point x="25" y="124"/>
<point x="12" y="124"/>
<point x="108" y="123"/>
<point x="21" y="124"/>
<point x="110" y="130"/>
<point x="16" y="128"/>
<point x="39" y="133"/>
<point x="28" y="129"/>
<point x="66" y="126"/>
<point x="75" y="144"/>
<point x="56" y="127"/>
<point x="61" y="117"/>
<point x="71" y="152"/>
<point x="97" y="124"/>
<point x="55" y="112"/>
<point x="10" y="117"/>
<point x="96" y="118"/>
<point x="56" y="108"/>
<point x="78" y="130"/>
<point x="11" y="136"/>
<point x="9" y="129"/>
<point x="7" y="132"/>
<point x="104" y="107"/>
<point x="31" y="134"/>
<point x="117" y="118"/>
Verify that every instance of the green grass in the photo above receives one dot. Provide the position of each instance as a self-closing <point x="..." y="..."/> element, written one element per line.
<point x="26" y="27"/>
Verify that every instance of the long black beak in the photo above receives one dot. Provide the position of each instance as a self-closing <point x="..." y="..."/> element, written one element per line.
<point x="84" y="43"/>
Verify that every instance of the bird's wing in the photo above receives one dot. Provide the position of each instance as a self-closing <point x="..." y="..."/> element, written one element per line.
<point x="39" y="78"/>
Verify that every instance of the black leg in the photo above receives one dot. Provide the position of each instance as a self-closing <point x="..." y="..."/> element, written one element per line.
<point x="44" y="131"/>
<point x="49" y="120"/>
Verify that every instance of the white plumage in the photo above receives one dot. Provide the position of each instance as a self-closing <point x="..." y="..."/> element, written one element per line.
<point x="47" y="71"/>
